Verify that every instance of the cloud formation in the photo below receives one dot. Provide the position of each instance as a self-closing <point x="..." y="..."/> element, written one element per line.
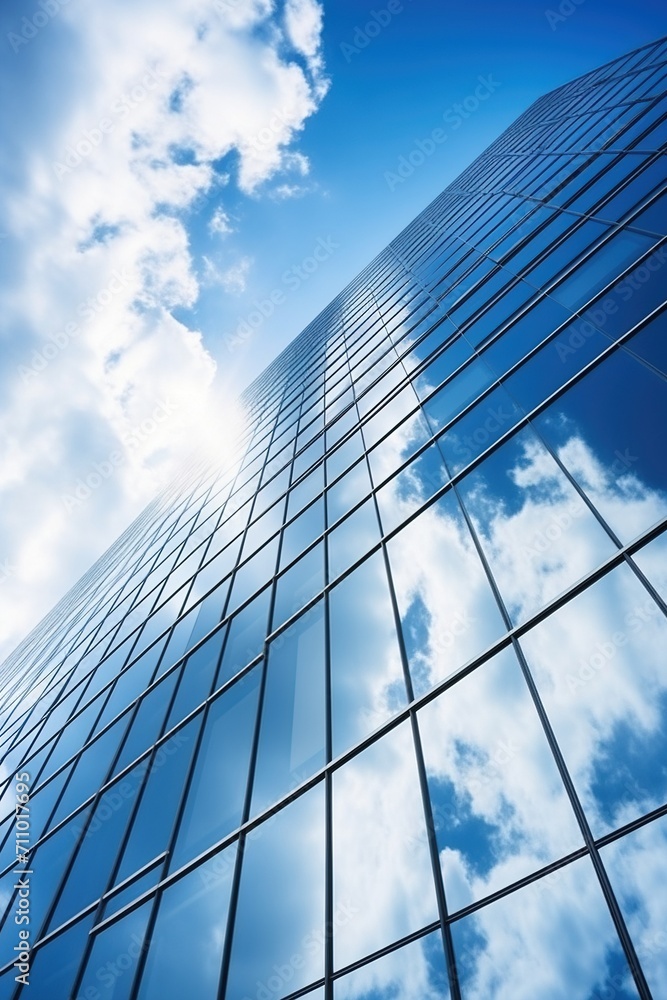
<point x="157" y="109"/>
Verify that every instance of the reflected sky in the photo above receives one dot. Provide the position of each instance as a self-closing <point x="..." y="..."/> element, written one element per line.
<point x="652" y="560"/>
<point x="447" y="608"/>
<point x="367" y="684"/>
<point x="537" y="534"/>
<point x="418" y="969"/>
<point x="500" y="809"/>
<point x="191" y="920"/>
<point x="382" y="868"/>
<point x="599" y="666"/>
<point x="293" y="728"/>
<point x="636" y="869"/>
<point x="281" y="903"/>
<point x="553" y="939"/>
<point x="603" y="430"/>
<point x="112" y="964"/>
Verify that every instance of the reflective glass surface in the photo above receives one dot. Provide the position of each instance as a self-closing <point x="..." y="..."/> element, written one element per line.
<point x="286" y="856"/>
<point x="554" y="938"/>
<point x="383" y="887"/>
<point x="375" y="708"/>
<point x="192" y="915"/>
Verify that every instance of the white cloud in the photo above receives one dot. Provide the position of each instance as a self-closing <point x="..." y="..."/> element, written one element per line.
<point x="303" y="20"/>
<point x="102" y="257"/>
<point x="233" y="279"/>
<point x="220" y="223"/>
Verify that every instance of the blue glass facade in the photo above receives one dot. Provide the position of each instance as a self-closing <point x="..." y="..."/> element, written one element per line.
<point x="379" y="710"/>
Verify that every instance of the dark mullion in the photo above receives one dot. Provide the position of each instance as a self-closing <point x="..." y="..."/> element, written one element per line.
<point x="582" y="821"/>
<point x="438" y="882"/>
<point x="186" y="790"/>
<point x="589" y="841"/>
<point x="252" y="765"/>
<point x="328" y="778"/>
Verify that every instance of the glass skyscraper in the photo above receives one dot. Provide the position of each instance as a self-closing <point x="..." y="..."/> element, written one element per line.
<point x="378" y="711"/>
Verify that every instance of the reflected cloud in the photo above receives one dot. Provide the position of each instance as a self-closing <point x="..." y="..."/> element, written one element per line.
<point x="548" y="942"/>
<point x="500" y="808"/>
<point x="637" y="872"/>
<point x="599" y="668"/>
<point x="382" y="868"/>
<point x="416" y="970"/>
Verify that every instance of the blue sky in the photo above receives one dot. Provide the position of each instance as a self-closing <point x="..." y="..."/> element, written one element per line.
<point x="185" y="185"/>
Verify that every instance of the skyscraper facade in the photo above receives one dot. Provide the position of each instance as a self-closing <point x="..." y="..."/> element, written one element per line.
<point x="378" y="711"/>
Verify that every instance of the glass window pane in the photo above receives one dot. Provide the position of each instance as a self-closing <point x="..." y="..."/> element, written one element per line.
<point x="537" y="534"/>
<point x="416" y="970"/>
<point x="253" y="574"/>
<point x="599" y="667"/>
<point x="192" y="921"/>
<point x="217" y="791"/>
<point x="481" y="427"/>
<point x="90" y="769"/>
<point x="146" y="726"/>
<point x="205" y="616"/>
<point x="391" y="414"/>
<point x="348" y="491"/>
<point x="636" y="868"/>
<point x="524" y="334"/>
<point x="196" y="678"/>
<point x="298" y="535"/>
<point x="555" y="363"/>
<point x="112" y="964"/>
<point x="367" y="684"/>
<point x="499" y="807"/>
<point x="305" y="491"/>
<point x="457" y="394"/>
<point x="603" y="430"/>
<point x="299" y="584"/>
<point x="409" y="490"/>
<point x="286" y="853"/>
<point x="352" y="538"/>
<point x="155" y="816"/>
<point x="447" y="608"/>
<point x="387" y="456"/>
<point x="652" y="561"/>
<point x="99" y="846"/>
<point x="116" y="901"/>
<point x="292" y="735"/>
<point x="651" y="342"/>
<point x="553" y="939"/>
<point x="52" y="858"/>
<point x="54" y="967"/>
<point x="600" y="268"/>
<point x="382" y="867"/>
<point x="246" y="635"/>
<point x="343" y="457"/>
